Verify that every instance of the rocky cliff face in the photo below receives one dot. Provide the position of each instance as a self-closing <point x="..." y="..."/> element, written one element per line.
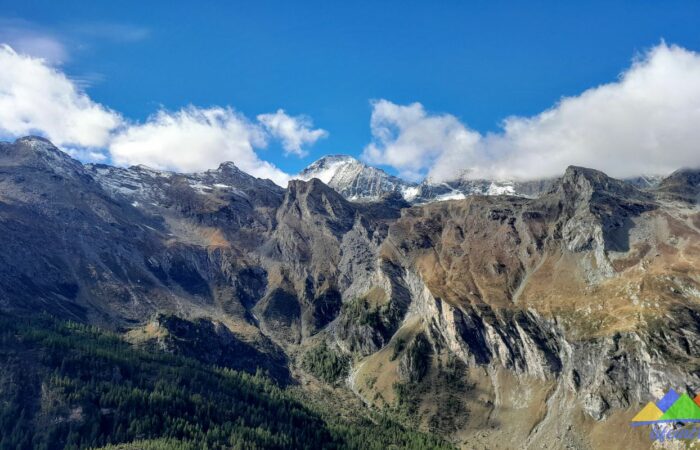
<point x="497" y="320"/>
<point x="683" y="184"/>
<point x="569" y="294"/>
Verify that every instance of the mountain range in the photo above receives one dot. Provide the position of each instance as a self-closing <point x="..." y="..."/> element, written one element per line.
<point x="497" y="315"/>
<point x="357" y="181"/>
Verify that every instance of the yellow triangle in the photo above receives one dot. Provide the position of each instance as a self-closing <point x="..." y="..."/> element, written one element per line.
<point x="649" y="413"/>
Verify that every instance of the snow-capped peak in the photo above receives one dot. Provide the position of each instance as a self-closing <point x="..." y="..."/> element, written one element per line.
<point x="327" y="167"/>
<point x="354" y="179"/>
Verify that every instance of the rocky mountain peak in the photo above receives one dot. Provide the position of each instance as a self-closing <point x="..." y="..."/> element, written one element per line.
<point x="313" y="192"/>
<point x="38" y="146"/>
<point x="578" y="171"/>
<point x="228" y="174"/>
<point x="325" y="168"/>
<point x="39" y="153"/>
<point x="582" y="182"/>
<point x="313" y="202"/>
<point x="353" y="179"/>
<point x="583" y="177"/>
<point x="598" y="213"/>
<point x="683" y="184"/>
<point x="304" y="186"/>
<point x="35" y="140"/>
<point x="228" y="166"/>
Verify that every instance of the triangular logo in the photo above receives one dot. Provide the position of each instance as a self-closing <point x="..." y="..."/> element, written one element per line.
<point x="667" y="400"/>
<point x="683" y="410"/>
<point x="649" y="414"/>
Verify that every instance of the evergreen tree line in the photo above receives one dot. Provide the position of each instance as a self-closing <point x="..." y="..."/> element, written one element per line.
<point x="74" y="386"/>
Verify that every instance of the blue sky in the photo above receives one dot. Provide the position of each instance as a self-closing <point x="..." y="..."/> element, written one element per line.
<point x="479" y="62"/>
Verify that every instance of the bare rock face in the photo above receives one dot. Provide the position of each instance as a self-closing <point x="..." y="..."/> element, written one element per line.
<point x="540" y="319"/>
<point x="598" y="213"/>
<point x="571" y="290"/>
<point x="63" y="236"/>
<point x="323" y="249"/>
<point x="683" y="184"/>
<point x="414" y="363"/>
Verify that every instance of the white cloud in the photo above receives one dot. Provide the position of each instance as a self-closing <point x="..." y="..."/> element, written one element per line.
<point x="195" y="139"/>
<point x="645" y="122"/>
<point x="87" y="155"/>
<point x="36" y="98"/>
<point x="411" y="140"/>
<point x="29" y="39"/>
<point x="294" y="132"/>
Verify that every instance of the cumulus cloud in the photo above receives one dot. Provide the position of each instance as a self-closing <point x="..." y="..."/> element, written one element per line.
<point x="294" y="132"/>
<point x="646" y="122"/>
<point x="411" y="140"/>
<point x="36" y="98"/>
<point x="195" y="139"/>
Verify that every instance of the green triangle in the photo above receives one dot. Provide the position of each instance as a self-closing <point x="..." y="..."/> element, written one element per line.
<point x="682" y="409"/>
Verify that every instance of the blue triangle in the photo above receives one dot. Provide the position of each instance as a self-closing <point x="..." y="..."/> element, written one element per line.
<point x="667" y="400"/>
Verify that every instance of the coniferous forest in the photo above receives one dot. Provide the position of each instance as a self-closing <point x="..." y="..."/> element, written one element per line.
<point x="69" y="385"/>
